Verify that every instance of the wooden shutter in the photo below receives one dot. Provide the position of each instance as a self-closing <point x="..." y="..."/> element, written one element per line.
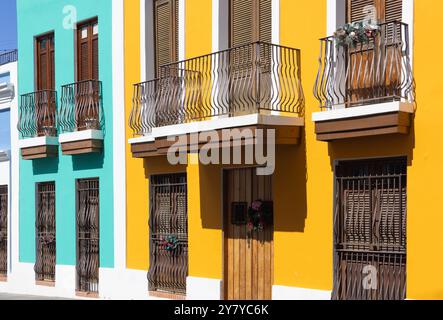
<point x="251" y="20"/>
<point x="87" y="51"/>
<point x="385" y="10"/>
<point x="45" y="62"/>
<point x="166" y="32"/>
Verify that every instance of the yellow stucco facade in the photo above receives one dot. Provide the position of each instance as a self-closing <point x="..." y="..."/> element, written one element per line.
<point x="303" y="180"/>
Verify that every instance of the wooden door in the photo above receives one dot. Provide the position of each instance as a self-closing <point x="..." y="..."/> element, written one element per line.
<point x="87" y="51"/>
<point x="45" y="62"/>
<point x="374" y="69"/>
<point x="248" y="255"/>
<point x="44" y="99"/>
<point x="165" y="32"/>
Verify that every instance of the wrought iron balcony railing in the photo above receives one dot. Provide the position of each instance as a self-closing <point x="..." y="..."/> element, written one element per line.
<point x="8" y="57"/>
<point x="373" y="72"/>
<point x="242" y="80"/>
<point x="81" y="106"/>
<point x="38" y="114"/>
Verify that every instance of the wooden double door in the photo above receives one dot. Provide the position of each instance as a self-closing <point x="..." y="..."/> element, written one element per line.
<point x="248" y="254"/>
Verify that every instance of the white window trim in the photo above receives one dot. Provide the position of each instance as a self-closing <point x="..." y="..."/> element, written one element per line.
<point x="147" y="44"/>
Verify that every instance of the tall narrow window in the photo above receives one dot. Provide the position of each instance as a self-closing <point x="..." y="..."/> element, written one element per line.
<point x="88" y="261"/>
<point x="168" y="224"/>
<point x="45" y="97"/>
<point x="87" y="51"/>
<point x="45" y="234"/>
<point x="370" y="230"/>
<point x="3" y="232"/>
<point x="165" y="32"/>
<point x="45" y="62"/>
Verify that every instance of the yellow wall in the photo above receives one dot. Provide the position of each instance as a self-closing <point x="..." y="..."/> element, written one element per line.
<point x="425" y="211"/>
<point x="304" y="174"/>
<point x="136" y="184"/>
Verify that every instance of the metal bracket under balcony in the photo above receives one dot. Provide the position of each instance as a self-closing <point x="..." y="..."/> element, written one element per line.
<point x="37" y="125"/>
<point x="367" y="88"/>
<point x="81" y="118"/>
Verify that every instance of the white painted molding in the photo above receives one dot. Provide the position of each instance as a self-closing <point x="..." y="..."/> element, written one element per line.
<point x="219" y="123"/>
<point x="119" y="129"/>
<point x="203" y="288"/>
<point x="362" y="111"/>
<point x="81" y="135"/>
<point x="295" y="293"/>
<point x="143" y="58"/>
<point x="37" y="141"/>
<point x="276" y="22"/>
<point x="182" y="30"/>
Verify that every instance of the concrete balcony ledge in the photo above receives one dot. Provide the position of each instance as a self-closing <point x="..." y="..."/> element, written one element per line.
<point x="81" y="142"/>
<point x="38" y="147"/>
<point x="155" y="143"/>
<point x="369" y="120"/>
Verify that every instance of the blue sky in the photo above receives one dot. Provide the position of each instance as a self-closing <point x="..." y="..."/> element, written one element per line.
<point x="8" y="25"/>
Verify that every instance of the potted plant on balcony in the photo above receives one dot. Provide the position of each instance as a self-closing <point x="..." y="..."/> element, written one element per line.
<point x="351" y="34"/>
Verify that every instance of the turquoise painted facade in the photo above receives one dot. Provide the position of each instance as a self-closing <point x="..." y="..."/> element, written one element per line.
<point x="36" y="18"/>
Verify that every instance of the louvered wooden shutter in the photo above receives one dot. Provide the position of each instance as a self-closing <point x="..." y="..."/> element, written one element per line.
<point x="87" y="51"/>
<point x="166" y="32"/>
<point x="251" y="20"/>
<point x="385" y="10"/>
<point x="45" y="63"/>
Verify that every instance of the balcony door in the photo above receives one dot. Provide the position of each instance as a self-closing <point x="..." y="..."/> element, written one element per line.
<point x="370" y="230"/>
<point x="166" y="22"/>
<point x="248" y="248"/>
<point x="44" y="98"/>
<point x="374" y="68"/>
<point x="87" y="88"/>
<point x="250" y="22"/>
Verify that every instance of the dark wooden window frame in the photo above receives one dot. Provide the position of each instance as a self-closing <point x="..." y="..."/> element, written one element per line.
<point x="76" y="45"/>
<point x="36" y="52"/>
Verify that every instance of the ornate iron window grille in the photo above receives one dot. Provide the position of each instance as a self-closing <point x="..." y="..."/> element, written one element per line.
<point x="168" y="225"/>
<point x="45" y="233"/>
<point x="88" y="261"/>
<point x="370" y="230"/>
<point x="3" y="231"/>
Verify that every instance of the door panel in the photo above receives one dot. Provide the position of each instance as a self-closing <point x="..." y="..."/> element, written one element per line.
<point x="248" y="262"/>
<point x="87" y="51"/>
